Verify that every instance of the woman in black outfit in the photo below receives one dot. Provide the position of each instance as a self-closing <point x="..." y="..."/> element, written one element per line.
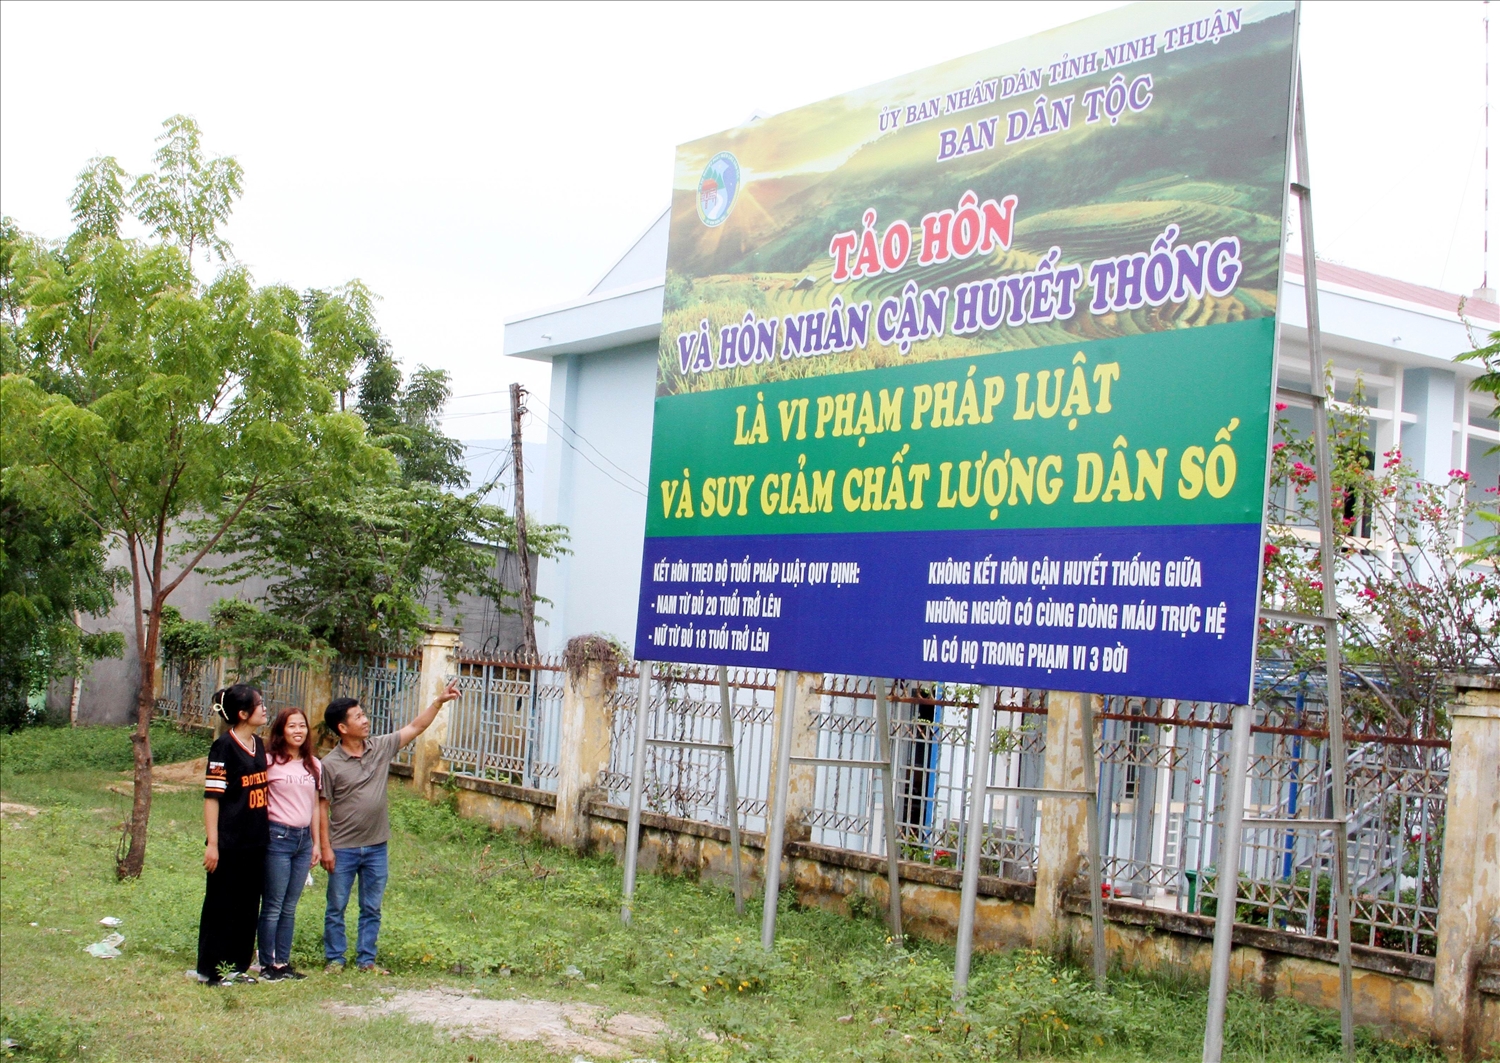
<point x="238" y="828"/>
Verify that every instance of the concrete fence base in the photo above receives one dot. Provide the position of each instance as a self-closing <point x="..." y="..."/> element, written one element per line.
<point x="1392" y="991"/>
<point x="1453" y="998"/>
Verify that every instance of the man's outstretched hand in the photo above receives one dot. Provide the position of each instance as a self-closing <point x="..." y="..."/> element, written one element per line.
<point x="424" y="720"/>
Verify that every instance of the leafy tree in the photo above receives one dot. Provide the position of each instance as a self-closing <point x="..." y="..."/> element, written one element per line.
<point x="257" y="640"/>
<point x="143" y="396"/>
<point x="52" y="564"/>
<point x="1415" y="603"/>
<point x="406" y="418"/>
<point x="98" y="200"/>
<point x="186" y="643"/>
<point x="340" y="330"/>
<point x="362" y="569"/>
<point x="52" y="568"/>
<point x="189" y="196"/>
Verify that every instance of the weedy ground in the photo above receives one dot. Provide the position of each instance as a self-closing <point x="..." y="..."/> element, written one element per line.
<point x="497" y="917"/>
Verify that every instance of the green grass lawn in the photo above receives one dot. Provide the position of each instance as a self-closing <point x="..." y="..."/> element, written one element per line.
<point x="472" y="910"/>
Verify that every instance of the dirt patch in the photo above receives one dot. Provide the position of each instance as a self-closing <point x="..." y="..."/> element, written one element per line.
<point x="184" y="773"/>
<point x="167" y="778"/>
<point x="13" y="808"/>
<point x="585" y="1028"/>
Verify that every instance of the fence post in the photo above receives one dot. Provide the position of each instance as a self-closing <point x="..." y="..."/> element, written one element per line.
<point x="439" y="649"/>
<point x="1062" y="823"/>
<point x="583" y="736"/>
<point x="1469" y="901"/>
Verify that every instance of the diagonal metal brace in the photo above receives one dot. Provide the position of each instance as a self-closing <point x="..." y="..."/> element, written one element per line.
<point x="683" y="744"/>
<point x="1041" y="791"/>
<point x="836" y="762"/>
<point x="1279" y="617"/>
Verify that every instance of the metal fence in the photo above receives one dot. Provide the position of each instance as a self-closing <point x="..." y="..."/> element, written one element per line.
<point x="1161" y="783"/>
<point x="187" y="693"/>
<point x="931" y="736"/>
<point x="1162" y="786"/>
<point x="386" y="686"/>
<point x="505" y="724"/>
<point x="282" y="686"/>
<point x="685" y="706"/>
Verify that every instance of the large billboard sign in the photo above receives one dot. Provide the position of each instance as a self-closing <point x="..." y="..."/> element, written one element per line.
<point x="968" y="375"/>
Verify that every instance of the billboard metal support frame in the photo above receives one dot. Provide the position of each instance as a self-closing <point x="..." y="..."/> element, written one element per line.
<point x="732" y="790"/>
<point x="886" y="748"/>
<point x="638" y="777"/>
<point x="776" y="829"/>
<point x="1328" y="620"/>
<point x="637" y="782"/>
<point x="980" y="792"/>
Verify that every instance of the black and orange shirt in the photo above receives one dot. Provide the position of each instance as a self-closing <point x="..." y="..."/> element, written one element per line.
<point x="237" y="780"/>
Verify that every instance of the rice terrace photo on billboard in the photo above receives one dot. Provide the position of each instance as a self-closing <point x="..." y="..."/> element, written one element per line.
<point x="967" y="375"/>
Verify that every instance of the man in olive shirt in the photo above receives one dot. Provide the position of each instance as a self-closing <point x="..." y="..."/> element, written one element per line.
<point x="356" y="821"/>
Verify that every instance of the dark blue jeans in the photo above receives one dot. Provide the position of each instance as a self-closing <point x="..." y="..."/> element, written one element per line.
<point x="288" y="858"/>
<point x="370" y="864"/>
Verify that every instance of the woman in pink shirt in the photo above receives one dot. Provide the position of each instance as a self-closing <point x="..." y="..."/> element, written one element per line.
<point x="294" y="775"/>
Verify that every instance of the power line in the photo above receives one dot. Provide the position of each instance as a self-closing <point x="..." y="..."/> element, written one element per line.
<point x="629" y="487"/>
<point x="641" y="490"/>
<point x="580" y="435"/>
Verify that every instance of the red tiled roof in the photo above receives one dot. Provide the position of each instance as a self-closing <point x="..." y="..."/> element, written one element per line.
<point x="1375" y="284"/>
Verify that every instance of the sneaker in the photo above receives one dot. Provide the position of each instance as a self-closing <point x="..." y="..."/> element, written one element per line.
<point x="370" y="968"/>
<point x="272" y="974"/>
<point x="291" y="973"/>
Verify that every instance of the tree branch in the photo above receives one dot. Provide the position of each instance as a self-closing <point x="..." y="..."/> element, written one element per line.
<point x="214" y="541"/>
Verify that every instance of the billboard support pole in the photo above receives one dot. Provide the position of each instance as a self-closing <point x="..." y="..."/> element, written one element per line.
<point x="776" y="829"/>
<point x="1091" y="828"/>
<point x="1328" y="620"/>
<point x="978" y="798"/>
<point x="886" y="752"/>
<point x="731" y="785"/>
<point x="637" y="784"/>
<point x="1229" y="881"/>
<point x="980" y="793"/>
<point x="1328" y="549"/>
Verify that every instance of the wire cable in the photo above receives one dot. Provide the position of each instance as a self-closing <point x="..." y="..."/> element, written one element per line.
<point x="553" y="413"/>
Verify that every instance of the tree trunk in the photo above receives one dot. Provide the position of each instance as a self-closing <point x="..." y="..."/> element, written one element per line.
<point x="134" y="860"/>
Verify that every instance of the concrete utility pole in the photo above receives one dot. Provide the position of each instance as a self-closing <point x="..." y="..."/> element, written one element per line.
<point x="528" y="597"/>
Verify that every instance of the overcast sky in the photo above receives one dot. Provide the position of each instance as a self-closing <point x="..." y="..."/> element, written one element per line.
<point x="473" y="162"/>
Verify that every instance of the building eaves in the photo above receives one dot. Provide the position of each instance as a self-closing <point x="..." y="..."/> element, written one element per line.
<point x="594" y="323"/>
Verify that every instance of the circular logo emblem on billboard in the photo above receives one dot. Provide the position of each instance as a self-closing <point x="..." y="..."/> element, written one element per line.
<point x="717" y="188"/>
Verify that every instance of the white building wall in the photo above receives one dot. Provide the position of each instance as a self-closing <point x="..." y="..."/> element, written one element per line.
<point x="599" y="452"/>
